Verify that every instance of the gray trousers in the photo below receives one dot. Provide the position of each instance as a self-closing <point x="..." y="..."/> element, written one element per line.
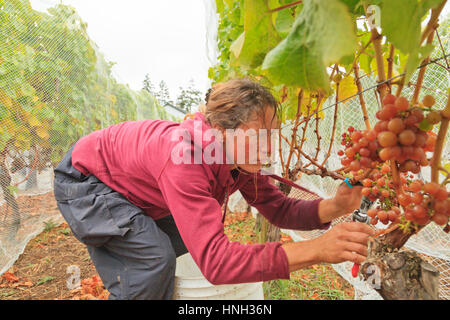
<point x="134" y="255"/>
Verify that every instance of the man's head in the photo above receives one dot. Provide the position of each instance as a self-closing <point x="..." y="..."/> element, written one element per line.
<point x="245" y="112"/>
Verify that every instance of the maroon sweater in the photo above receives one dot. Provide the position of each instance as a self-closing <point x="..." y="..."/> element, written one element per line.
<point x="134" y="159"/>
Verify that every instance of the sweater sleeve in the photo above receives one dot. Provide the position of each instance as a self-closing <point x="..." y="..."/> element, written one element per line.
<point x="187" y="191"/>
<point x="281" y="210"/>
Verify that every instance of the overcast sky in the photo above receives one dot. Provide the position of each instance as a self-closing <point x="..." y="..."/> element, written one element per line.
<point x="166" y="39"/>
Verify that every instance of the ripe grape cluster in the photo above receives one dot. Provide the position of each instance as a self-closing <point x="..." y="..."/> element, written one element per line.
<point x="379" y="185"/>
<point x="402" y="133"/>
<point x="400" y="137"/>
<point x="424" y="202"/>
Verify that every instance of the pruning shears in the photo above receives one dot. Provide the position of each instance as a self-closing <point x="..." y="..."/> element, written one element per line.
<point x="360" y="215"/>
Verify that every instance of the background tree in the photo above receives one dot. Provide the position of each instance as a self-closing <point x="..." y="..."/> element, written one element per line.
<point x="189" y="97"/>
<point x="163" y="94"/>
<point x="148" y="85"/>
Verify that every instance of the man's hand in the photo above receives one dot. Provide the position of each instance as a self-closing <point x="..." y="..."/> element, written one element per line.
<point x="345" y="201"/>
<point x="348" y="199"/>
<point x="347" y="241"/>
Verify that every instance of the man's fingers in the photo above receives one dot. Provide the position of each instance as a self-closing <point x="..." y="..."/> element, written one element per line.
<point x="357" y="248"/>
<point x="354" y="257"/>
<point x="358" y="227"/>
<point x="357" y="237"/>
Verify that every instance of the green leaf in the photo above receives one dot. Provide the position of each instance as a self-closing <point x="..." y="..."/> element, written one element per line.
<point x="365" y="63"/>
<point x="401" y="21"/>
<point x="44" y="280"/>
<point x="323" y="33"/>
<point x="424" y="125"/>
<point x="283" y="22"/>
<point x="260" y="34"/>
<point x="415" y="58"/>
<point x="354" y="6"/>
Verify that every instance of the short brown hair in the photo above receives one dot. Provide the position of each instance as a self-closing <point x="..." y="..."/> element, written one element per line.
<point x="231" y="103"/>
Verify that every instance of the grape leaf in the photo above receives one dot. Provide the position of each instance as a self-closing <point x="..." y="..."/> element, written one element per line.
<point x="347" y="88"/>
<point x="403" y="17"/>
<point x="259" y="34"/>
<point x="322" y="33"/>
<point x="415" y="58"/>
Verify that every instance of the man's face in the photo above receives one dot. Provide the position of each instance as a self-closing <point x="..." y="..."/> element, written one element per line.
<point x="249" y="145"/>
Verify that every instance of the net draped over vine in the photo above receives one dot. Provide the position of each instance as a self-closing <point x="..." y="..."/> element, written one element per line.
<point x="432" y="241"/>
<point x="55" y="87"/>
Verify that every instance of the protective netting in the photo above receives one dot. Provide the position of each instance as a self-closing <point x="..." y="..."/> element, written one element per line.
<point x="55" y="87"/>
<point x="431" y="242"/>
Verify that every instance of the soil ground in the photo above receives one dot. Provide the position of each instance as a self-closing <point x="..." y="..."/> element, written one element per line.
<point x="50" y="262"/>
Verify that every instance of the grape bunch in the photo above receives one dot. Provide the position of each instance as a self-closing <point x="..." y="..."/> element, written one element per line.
<point x="402" y="133"/>
<point x="379" y="185"/>
<point x="424" y="202"/>
<point x="360" y="150"/>
<point x="399" y="135"/>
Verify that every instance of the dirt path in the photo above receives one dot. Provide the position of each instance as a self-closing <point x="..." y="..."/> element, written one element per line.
<point x="53" y="258"/>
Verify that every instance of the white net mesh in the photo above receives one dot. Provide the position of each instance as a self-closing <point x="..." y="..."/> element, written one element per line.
<point x="55" y="87"/>
<point x="432" y="241"/>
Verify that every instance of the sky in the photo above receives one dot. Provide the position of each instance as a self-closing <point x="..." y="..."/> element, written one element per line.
<point x="166" y="39"/>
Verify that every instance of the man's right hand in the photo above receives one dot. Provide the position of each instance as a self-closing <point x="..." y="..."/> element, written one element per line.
<point x="346" y="241"/>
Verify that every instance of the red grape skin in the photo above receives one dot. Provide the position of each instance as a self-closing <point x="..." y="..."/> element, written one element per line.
<point x="415" y="186"/>
<point x="389" y="99"/>
<point x="402" y="104"/>
<point x="385" y="154"/>
<point x="431" y="188"/>
<point x="417" y="198"/>
<point x="441" y="194"/>
<point x="381" y="126"/>
<point x="404" y="199"/>
<point x="418" y="114"/>
<point x="387" y="139"/>
<point x="371" y="135"/>
<point x="396" y="125"/>
<point x="407" y="137"/>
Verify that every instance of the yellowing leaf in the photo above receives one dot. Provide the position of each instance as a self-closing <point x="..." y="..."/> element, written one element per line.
<point x="446" y="167"/>
<point x="347" y="88"/>
<point x="35" y="98"/>
<point x="7" y="101"/>
<point x="41" y="132"/>
<point x="34" y="122"/>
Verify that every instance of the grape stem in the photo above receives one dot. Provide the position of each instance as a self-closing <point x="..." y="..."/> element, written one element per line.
<point x="421" y="75"/>
<point x="440" y="140"/>
<point x="322" y="173"/>
<point x="390" y="61"/>
<point x="285" y="6"/>
<point x="362" y="102"/>
<point x="333" y="132"/>
<point x="294" y="132"/>
<point x="316" y="130"/>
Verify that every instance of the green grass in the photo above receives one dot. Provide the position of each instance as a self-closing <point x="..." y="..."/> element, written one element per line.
<point x="319" y="282"/>
<point x="44" y="280"/>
